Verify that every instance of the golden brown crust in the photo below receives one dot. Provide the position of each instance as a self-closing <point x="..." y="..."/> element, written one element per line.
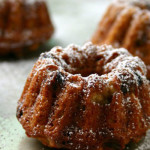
<point x="23" y="24"/>
<point x="86" y="97"/>
<point x="127" y="24"/>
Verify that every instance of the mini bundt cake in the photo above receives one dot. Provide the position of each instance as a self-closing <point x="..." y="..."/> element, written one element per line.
<point x="23" y="24"/>
<point x="127" y="24"/>
<point x="90" y="97"/>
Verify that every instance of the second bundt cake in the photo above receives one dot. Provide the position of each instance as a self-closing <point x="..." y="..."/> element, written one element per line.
<point x="23" y="24"/>
<point x="127" y="24"/>
<point x="86" y="98"/>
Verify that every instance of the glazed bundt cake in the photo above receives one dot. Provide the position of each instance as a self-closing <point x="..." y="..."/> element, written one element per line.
<point x="23" y="24"/>
<point x="90" y="97"/>
<point x="127" y="24"/>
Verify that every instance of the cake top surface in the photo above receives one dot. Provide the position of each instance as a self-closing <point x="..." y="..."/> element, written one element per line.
<point x="109" y="61"/>
<point x="143" y="4"/>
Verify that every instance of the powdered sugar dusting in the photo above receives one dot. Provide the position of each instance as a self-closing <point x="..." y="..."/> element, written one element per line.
<point x="117" y="59"/>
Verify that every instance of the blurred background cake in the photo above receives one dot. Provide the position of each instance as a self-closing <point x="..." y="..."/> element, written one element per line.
<point x="126" y="23"/>
<point x="23" y="24"/>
